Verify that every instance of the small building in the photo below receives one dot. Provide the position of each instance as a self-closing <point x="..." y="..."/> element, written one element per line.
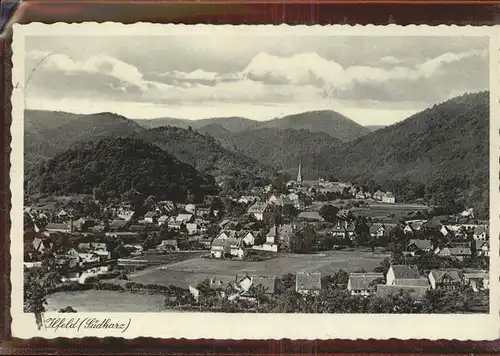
<point x="480" y="233"/>
<point x="482" y="248"/>
<point x="378" y="230"/>
<point x="445" y="279"/>
<point x="40" y="244"/>
<point x="308" y="282"/>
<point x="236" y="247"/>
<point x="168" y="245"/>
<point x="477" y="279"/>
<point x="416" y="246"/>
<point x="220" y="248"/>
<point x="162" y="220"/>
<point x="192" y="228"/>
<point x="363" y="284"/>
<point x="248" y="238"/>
<point x="184" y="218"/>
<point x="388" y="197"/>
<point x="259" y="210"/>
<point x="125" y="235"/>
<point x="117" y="224"/>
<point x="400" y="272"/>
<point x="460" y="253"/>
<point x="415" y="292"/>
<point x="62" y="228"/>
<point x="150" y="217"/>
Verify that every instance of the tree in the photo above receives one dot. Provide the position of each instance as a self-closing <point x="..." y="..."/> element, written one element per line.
<point x="329" y="213"/>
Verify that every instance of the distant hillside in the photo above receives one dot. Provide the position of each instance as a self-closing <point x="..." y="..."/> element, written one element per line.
<point x="280" y="149"/>
<point x="233" y="124"/>
<point x="48" y="133"/>
<point x="204" y="153"/>
<point x="375" y="127"/>
<point x="326" y="121"/>
<point x="214" y="130"/>
<point x="113" y="166"/>
<point x="445" y="146"/>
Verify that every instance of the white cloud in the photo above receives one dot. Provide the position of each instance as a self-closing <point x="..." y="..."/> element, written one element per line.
<point x="389" y="60"/>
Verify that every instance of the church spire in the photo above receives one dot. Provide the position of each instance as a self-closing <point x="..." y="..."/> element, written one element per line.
<point x="299" y="174"/>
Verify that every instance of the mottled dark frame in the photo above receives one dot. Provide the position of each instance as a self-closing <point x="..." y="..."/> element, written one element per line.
<point x="352" y="12"/>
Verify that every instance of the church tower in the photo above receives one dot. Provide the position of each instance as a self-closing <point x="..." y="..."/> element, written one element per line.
<point x="299" y="174"/>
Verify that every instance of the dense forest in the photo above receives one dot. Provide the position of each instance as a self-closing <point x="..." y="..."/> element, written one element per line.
<point x="206" y="155"/>
<point x="113" y="166"/>
<point x="444" y="148"/>
<point x="280" y="149"/>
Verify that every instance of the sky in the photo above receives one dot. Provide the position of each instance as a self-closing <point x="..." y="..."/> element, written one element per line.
<point x="372" y="80"/>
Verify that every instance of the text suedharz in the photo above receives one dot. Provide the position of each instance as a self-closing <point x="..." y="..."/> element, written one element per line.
<point x="86" y="323"/>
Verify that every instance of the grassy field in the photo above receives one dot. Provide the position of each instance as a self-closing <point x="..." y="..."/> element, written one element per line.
<point x="195" y="270"/>
<point x="105" y="301"/>
<point x="170" y="257"/>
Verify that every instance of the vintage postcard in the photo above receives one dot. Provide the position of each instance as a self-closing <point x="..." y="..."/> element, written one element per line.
<point x="255" y="182"/>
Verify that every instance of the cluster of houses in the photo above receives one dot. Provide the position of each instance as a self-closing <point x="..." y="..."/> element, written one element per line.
<point x="408" y="278"/>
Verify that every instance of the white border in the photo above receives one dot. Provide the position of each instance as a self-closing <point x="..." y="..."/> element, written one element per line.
<point x="256" y="326"/>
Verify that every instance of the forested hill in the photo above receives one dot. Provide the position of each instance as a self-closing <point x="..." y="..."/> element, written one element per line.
<point x="204" y="153"/>
<point x="325" y="121"/>
<point x="232" y="124"/>
<point x="113" y="166"/>
<point x="445" y="146"/>
<point x="48" y="133"/>
<point x="280" y="149"/>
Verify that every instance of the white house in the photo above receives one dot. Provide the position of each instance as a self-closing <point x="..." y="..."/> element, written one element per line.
<point x="363" y="284"/>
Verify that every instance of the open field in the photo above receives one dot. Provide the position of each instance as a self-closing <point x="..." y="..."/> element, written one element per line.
<point x="170" y="257"/>
<point x="195" y="270"/>
<point x="105" y="301"/>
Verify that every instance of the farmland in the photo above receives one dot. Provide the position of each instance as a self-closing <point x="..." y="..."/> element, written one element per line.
<point x="195" y="270"/>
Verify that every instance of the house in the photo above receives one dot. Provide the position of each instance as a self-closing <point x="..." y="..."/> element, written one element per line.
<point x="203" y="212"/>
<point x="433" y="224"/>
<point x="259" y="210"/>
<point x="192" y="228"/>
<point x="482" y="248"/>
<point x="311" y="216"/>
<point x="63" y="228"/>
<point x="190" y="208"/>
<point x="195" y="292"/>
<point x="125" y="213"/>
<point x="167" y="206"/>
<point x="401" y="272"/>
<point x="126" y="235"/>
<point x="408" y="229"/>
<point x="388" y="198"/>
<point x="226" y="234"/>
<point x="272" y="235"/>
<point x="249" y="238"/>
<point x="377" y="230"/>
<point x="378" y="195"/>
<point x="82" y="224"/>
<point x="308" y="282"/>
<point x="442" y="252"/>
<point x="117" y="224"/>
<point x="350" y="230"/>
<point x="460" y="253"/>
<point x="41" y="245"/>
<point x="477" y="279"/>
<point x="168" y="245"/>
<point x="162" y="220"/>
<point x="268" y="283"/>
<point x="363" y="284"/>
<point x="150" y="217"/>
<point x="184" y="218"/>
<point x="63" y="215"/>
<point x="280" y="200"/>
<point x="236" y="247"/>
<point x="480" y="233"/>
<point x="339" y="230"/>
<point x="220" y="248"/>
<point x="445" y="279"/>
<point x="416" y="246"/>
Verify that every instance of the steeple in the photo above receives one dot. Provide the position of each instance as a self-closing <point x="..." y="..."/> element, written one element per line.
<point x="299" y="174"/>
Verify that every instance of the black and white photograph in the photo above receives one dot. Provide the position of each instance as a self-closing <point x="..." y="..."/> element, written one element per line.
<point x="261" y="172"/>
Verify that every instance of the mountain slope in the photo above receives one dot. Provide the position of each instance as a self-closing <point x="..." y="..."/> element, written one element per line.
<point x="51" y="138"/>
<point x="326" y="121"/>
<point x="113" y="166"/>
<point x="374" y="127"/>
<point x="278" y="148"/>
<point x="446" y="145"/>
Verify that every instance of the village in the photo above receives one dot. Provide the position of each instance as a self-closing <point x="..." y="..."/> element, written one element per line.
<point x="234" y="246"/>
